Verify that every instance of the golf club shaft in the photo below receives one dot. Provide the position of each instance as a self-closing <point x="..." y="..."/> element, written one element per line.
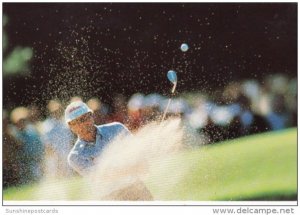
<point x="169" y="101"/>
<point x="165" y="112"/>
<point x="173" y="89"/>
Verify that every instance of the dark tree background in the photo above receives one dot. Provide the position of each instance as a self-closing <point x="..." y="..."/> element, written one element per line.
<point x="100" y="49"/>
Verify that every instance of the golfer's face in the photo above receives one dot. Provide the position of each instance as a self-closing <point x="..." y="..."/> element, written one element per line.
<point x="83" y="124"/>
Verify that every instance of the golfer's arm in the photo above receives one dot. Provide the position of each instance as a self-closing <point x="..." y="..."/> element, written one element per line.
<point x="80" y="164"/>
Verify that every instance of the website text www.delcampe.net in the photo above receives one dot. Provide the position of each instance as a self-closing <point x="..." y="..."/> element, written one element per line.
<point x="249" y="210"/>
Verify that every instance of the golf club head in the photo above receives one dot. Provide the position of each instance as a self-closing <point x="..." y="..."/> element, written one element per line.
<point x="172" y="76"/>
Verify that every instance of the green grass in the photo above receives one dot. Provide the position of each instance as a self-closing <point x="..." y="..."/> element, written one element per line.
<point x="258" y="167"/>
<point x="63" y="189"/>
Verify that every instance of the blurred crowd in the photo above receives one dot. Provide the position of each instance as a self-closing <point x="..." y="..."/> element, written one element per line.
<point x="36" y="144"/>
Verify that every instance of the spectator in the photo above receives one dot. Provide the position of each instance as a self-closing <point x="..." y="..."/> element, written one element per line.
<point x="250" y="121"/>
<point x="212" y="132"/>
<point x="134" y="111"/>
<point x="119" y="110"/>
<point x="151" y="109"/>
<point x="31" y="146"/>
<point x="11" y="151"/>
<point x="278" y="117"/>
<point x="99" y="109"/>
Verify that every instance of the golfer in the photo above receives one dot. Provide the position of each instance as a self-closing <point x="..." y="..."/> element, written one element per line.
<point x="92" y="139"/>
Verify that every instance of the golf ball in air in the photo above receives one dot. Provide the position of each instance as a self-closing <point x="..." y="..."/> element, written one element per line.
<point x="184" y="47"/>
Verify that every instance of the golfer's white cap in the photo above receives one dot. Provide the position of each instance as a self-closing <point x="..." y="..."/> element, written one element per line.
<point x="75" y="110"/>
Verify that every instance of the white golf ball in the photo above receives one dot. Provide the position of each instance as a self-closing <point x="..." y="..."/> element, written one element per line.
<point x="184" y="47"/>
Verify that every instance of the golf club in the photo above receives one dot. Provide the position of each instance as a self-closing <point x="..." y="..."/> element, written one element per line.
<point x="172" y="78"/>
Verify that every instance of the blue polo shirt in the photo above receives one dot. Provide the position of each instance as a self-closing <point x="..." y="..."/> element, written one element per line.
<point x="84" y="154"/>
